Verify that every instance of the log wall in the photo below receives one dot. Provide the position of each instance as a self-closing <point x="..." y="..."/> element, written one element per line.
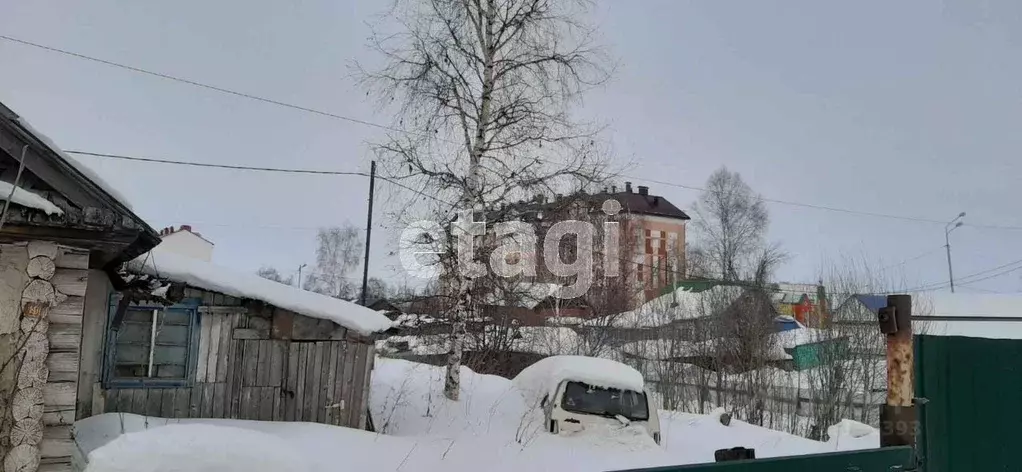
<point x="42" y="288"/>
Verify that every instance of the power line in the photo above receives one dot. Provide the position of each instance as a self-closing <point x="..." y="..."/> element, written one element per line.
<point x="390" y="128"/>
<point x="250" y="168"/>
<point x="835" y="209"/>
<point x="969" y="279"/>
<point x="914" y="258"/>
<point x="219" y="166"/>
<point x="364" y="174"/>
<point x="200" y="84"/>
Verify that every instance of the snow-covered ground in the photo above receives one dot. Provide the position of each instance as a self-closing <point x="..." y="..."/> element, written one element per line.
<point x="491" y="428"/>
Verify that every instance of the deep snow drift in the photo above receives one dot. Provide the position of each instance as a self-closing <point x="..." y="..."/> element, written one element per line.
<point x="490" y="428"/>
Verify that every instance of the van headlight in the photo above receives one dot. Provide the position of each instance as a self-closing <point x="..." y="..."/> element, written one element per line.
<point x="656" y="438"/>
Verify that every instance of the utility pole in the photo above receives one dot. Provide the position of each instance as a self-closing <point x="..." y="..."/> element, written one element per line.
<point x="369" y="232"/>
<point x="948" y="228"/>
<point x="300" y="275"/>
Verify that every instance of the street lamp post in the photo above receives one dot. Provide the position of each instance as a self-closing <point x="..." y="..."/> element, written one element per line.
<point x="948" y="228"/>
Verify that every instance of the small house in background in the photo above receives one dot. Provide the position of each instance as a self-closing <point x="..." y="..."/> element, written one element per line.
<point x="185" y="338"/>
<point x="859" y="309"/>
<point x="802" y="302"/>
<point x="183" y="240"/>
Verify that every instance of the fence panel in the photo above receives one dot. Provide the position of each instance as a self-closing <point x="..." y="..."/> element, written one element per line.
<point x="870" y="460"/>
<point x="974" y="408"/>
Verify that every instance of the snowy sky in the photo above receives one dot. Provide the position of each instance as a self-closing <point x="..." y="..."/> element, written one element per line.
<point x="908" y="108"/>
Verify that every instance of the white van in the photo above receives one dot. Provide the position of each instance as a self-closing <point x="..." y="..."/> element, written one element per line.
<point x="578" y="391"/>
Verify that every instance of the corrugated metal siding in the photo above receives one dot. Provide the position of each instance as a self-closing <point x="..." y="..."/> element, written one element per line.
<point x="974" y="388"/>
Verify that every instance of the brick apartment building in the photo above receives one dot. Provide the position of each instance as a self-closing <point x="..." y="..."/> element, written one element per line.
<point x="650" y="241"/>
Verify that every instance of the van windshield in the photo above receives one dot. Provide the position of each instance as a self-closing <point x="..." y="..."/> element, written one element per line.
<point x="584" y="398"/>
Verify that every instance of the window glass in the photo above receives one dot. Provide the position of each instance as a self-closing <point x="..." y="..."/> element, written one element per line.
<point x="152" y="344"/>
<point x="583" y="398"/>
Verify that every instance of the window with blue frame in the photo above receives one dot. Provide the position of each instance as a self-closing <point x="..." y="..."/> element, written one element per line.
<point x="153" y="346"/>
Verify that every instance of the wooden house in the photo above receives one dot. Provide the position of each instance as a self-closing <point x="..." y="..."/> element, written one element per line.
<point x="88" y="326"/>
<point x="189" y="339"/>
<point x="62" y="231"/>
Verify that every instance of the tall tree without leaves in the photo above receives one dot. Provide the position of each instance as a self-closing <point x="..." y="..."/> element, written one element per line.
<point x="483" y="92"/>
<point x="338" y="252"/>
<point x="271" y="273"/>
<point x="731" y="227"/>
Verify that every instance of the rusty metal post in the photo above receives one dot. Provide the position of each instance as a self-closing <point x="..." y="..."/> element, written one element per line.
<point x="898" y="421"/>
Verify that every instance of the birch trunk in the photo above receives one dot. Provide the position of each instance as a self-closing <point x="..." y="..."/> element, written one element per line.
<point x="471" y="199"/>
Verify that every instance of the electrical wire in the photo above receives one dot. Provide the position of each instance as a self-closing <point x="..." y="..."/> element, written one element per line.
<point x="219" y="166"/>
<point x="968" y="279"/>
<point x="914" y="258"/>
<point x="200" y="84"/>
<point x="391" y="128"/>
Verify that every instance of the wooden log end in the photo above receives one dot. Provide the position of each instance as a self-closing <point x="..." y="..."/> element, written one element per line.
<point x="41" y="267"/>
<point x="35" y="325"/>
<point x="28" y="432"/>
<point x="27" y="404"/>
<point x="43" y="248"/>
<point x="39" y="291"/>
<point x="23" y="458"/>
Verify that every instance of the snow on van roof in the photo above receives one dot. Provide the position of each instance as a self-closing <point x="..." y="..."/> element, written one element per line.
<point x="542" y="378"/>
<point x="167" y="265"/>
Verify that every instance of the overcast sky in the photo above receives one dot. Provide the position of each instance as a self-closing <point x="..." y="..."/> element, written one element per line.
<point x="910" y="108"/>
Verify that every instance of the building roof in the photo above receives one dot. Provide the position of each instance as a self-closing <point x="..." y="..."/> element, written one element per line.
<point x="170" y="231"/>
<point x="646" y="205"/>
<point x="872" y="302"/>
<point x="167" y="265"/>
<point x="100" y="217"/>
<point x="631" y="202"/>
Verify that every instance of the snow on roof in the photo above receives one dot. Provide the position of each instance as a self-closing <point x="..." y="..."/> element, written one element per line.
<point x="196" y="273"/>
<point x="79" y="166"/>
<point x="682" y="304"/>
<point x="542" y="378"/>
<point x="28" y="199"/>
<point x="968" y="305"/>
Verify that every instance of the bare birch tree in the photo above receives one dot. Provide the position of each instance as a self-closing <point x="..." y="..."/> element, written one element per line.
<point x="483" y="92"/>
<point x="271" y="273"/>
<point x="731" y="226"/>
<point x="338" y="252"/>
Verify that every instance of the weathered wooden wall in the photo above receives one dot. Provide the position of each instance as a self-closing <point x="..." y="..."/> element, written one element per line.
<point x="41" y="305"/>
<point x="263" y="363"/>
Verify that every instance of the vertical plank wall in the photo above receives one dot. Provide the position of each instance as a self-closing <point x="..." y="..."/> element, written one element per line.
<point x="243" y="374"/>
<point x="70" y="279"/>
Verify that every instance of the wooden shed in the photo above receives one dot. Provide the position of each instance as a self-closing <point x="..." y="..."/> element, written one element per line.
<point x="188" y="339"/>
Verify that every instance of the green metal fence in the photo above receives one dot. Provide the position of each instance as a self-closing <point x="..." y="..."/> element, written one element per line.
<point x="870" y="460"/>
<point x="973" y="412"/>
